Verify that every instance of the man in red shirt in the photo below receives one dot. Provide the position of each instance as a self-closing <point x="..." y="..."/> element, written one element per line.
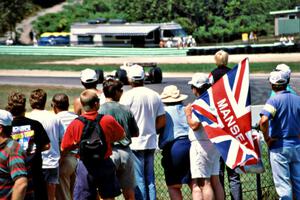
<point x="93" y="175"/>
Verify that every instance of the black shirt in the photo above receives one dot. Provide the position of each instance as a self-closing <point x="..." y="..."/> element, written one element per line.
<point x="219" y="72"/>
<point x="31" y="135"/>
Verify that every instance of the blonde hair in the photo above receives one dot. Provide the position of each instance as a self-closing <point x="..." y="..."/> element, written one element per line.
<point x="221" y="58"/>
<point x="88" y="99"/>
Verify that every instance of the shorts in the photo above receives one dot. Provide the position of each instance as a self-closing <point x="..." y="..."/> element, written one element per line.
<point x="175" y="161"/>
<point x="122" y="158"/>
<point x="204" y="159"/>
<point x="51" y="175"/>
<point x="96" y="176"/>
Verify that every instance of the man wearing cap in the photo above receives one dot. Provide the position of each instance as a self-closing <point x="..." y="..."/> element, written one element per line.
<point x="13" y="181"/>
<point x="280" y="124"/>
<point x="204" y="157"/>
<point x="149" y="113"/>
<point x="286" y="69"/>
<point x="89" y="80"/>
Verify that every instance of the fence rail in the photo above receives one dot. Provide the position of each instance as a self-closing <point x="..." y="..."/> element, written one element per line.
<point x="249" y="182"/>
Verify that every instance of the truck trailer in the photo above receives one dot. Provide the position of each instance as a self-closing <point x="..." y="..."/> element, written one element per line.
<point x="127" y="34"/>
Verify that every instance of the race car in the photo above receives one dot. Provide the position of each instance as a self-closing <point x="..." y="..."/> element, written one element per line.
<point x="153" y="75"/>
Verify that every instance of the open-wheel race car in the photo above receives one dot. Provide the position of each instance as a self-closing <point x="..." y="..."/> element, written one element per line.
<point x="152" y="75"/>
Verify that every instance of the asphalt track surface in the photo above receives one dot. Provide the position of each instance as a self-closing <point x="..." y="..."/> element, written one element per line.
<point x="259" y="85"/>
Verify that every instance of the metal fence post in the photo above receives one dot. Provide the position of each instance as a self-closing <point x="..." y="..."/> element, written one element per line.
<point x="258" y="187"/>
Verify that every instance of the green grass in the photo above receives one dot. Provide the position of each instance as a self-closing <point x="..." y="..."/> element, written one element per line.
<point x="34" y="63"/>
<point x="5" y="90"/>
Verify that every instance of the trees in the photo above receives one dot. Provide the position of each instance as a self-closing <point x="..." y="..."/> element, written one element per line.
<point x="74" y="12"/>
<point x="13" y="12"/>
<point x="206" y="20"/>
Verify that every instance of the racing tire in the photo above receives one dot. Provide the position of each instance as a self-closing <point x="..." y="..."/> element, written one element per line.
<point x="155" y="75"/>
<point x="100" y="75"/>
<point x="121" y="75"/>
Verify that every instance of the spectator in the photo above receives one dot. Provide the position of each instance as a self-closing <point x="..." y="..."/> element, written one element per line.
<point x="251" y="37"/>
<point x="68" y="161"/>
<point x="204" y="156"/>
<point x="121" y="152"/>
<point x="148" y="110"/>
<point x="89" y="80"/>
<point x="55" y="131"/>
<point x="179" y="43"/>
<point x="32" y="137"/>
<point x="221" y="59"/>
<point x="280" y="124"/>
<point x="94" y="176"/>
<point x="286" y="69"/>
<point x="169" y="43"/>
<point x="13" y="181"/>
<point x="9" y="41"/>
<point x="161" y="44"/>
<point x="175" y="143"/>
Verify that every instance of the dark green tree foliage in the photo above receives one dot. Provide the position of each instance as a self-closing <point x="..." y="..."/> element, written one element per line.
<point x="206" y="20"/>
<point x="75" y="12"/>
<point x="13" y="12"/>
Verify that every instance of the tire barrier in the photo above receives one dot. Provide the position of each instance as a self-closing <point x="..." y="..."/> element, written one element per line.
<point x="246" y="49"/>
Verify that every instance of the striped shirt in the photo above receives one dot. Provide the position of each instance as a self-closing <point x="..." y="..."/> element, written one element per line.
<point x="12" y="166"/>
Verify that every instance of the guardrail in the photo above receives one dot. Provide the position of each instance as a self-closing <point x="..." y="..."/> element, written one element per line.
<point x="91" y="51"/>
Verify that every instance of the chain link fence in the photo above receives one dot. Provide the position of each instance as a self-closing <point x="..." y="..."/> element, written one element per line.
<point x="254" y="187"/>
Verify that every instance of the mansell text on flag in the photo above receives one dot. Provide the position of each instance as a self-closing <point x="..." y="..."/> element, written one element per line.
<point x="225" y="113"/>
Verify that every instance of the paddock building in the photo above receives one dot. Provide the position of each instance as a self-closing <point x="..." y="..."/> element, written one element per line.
<point x="125" y="35"/>
<point x="286" y="22"/>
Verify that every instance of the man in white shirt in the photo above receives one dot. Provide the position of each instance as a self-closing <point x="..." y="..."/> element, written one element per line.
<point x="55" y="131"/>
<point x="149" y="113"/>
<point x="68" y="161"/>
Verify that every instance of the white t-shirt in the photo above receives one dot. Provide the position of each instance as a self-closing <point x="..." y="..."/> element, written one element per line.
<point x="197" y="134"/>
<point x="55" y="131"/>
<point x="66" y="117"/>
<point x="146" y="106"/>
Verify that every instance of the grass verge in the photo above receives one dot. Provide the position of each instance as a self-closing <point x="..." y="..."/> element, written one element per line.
<point x="5" y="90"/>
<point x="13" y="62"/>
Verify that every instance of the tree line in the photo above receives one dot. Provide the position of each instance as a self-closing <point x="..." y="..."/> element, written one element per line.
<point x="206" y="20"/>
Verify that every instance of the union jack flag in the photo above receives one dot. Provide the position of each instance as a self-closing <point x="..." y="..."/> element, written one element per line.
<point x="225" y="113"/>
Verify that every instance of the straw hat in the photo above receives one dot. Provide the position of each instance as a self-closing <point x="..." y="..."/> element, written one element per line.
<point x="171" y="94"/>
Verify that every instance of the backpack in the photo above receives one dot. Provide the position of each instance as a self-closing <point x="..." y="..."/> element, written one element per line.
<point x="92" y="144"/>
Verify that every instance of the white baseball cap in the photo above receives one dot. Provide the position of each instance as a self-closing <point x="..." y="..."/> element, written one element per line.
<point x="88" y="76"/>
<point x="278" y="77"/>
<point x="284" y="68"/>
<point x="136" y="73"/>
<point x="5" y="118"/>
<point x="198" y="80"/>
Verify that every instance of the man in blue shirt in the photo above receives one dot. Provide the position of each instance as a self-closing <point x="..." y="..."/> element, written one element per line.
<point x="280" y="124"/>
